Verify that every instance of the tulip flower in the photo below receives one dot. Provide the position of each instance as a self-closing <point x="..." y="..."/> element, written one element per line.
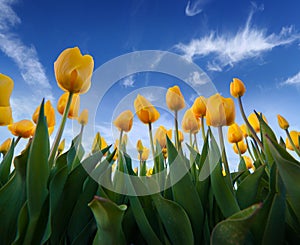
<point x="4" y="147"/>
<point x="235" y="134"/>
<point x="190" y="123"/>
<point x="145" y="111"/>
<point x="174" y="99"/>
<point x="248" y="162"/>
<point x="245" y="130"/>
<point x="74" y="107"/>
<point x="6" y="88"/>
<point x="254" y="122"/>
<point x="240" y="146"/>
<point x="180" y="136"/>
<point x="73" y="71"/>
<point x="5" y="115"/>
<point x="145" y="154"/>
<point x="149" y="172"/>
<point x="124" y="121"/>
<point x="199" y="107"/>
<point x="237" y="88"/>
<point x="294" y="139"/>
<point x="283" y="123"/>
<point x="99" y="143"/>
<point x="220" y="111"/>
<point x="160" y="136"/>
<point x="84" y="117"/>
<point x="61" y="146"/>
<point x="23" y="128"/>
<point x="49" y="113"/>
<point x="165" y="152"/>
<point x="139" y="146"/>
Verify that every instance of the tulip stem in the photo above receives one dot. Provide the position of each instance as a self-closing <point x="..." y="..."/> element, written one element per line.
<point x="17" y="141"/>
<point x="191" y="140"/>
<point x="119" y="148"/>
<point x="292" y="142"/>
<point x="60" y="131"/>
<point x="248" y="124"/>
<point x="239" y="150"/>
<point x="202" y="128"/>
<point x="249" y="150"/>
<point x="177" y="143"/>
<point x="196" y="143"/>
<point x="151" y="140"/>
<point x="224" y="158"/>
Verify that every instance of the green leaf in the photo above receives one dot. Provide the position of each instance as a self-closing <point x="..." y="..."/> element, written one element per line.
<point x="235" y="229"/>
<point x="109" y="217"/>
<point x="6" y="164"/>
<point x="23" y="221"/>
<point x="247" y="189"/>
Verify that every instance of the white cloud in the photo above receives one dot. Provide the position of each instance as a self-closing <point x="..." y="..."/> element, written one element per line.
<point x="194" y="7"/>
<point x="195" y="78"/>
<point x="128" y="81"/>
<point x="229" y="49"/>
<point x="294" y="80"/>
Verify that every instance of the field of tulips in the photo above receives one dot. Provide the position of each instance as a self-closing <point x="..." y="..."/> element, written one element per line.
<point x="53" y="195"/>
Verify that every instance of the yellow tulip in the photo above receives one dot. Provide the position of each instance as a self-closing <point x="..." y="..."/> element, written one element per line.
<point x="180" y="136"/>
<point x="283" y="123"/>
<point x="242" y="147"/>
<point x="124" y="121"/>
<point x="99" y="143"/>
<point x="49" y="114"/>
<point x="145" y="111"/>
<point x="139" y="146"/>
<point x="165" y="152"/>
<point x="199" y="107"/>
<point x="237" y="88"/>
<point x="149" y="172"/>
<point x="145" y="154"/>
<point x="254" y="122"/>
<point x="6" y="88"/>
<point x="4" y="147"/>
<point x="5" y="115"/>
<point x="61" y="146"/>
<point x="245" y="129"/>
<point x="84" y="117"/>
<point x="295" y="138"/>
<point x="74" y="108"/>
<point x="23" y="128"/>
<point x="160" y="136"/>
<point x="235" y="134"/>
<point x="248" y="162"/>
<point x="73" y="71"/>
<point x="190" y="123"/>
<point x="220" y="111"/>
<point x="175" y="99"/>
<point x="135" y="170"/>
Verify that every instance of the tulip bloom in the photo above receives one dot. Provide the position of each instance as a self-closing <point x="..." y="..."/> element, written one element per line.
<point x="180" y="136"/>
<point x="174" y="99"/>
<point x="84" y="117"/>
<point x="124" y="121"/>
<point x="220" y="111"/>
<point x="244" y="128"/>
<point x="234" y="134"/>
<point x="254" y="122"/>
<point x="73" y="71"/>
<point x="248" y="162"/>
<point x="99" y="143"/>
<point x="190" y="123"/>
<point x="74" y="108"/>
<point x="145" y="154"/>
<point x="161" y="134"/>
<point x="295" y="138"/>
<point x="6" y="88"/>
<point x="5" y="115"/>
<point x="4" y="147"/>
<point x="283" y="123"/>
<point x="237" y="88"/>
<point x="61" y="146"/>
<point x="199" y="107"/>
<point x="49" y="114"/>
<point x="145" y="111"/>
<point x="242" y="146"/>
<point x="23" y="128"/>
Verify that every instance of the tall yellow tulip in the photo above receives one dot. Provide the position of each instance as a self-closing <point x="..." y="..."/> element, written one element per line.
<point x="73" y="71"/>
<point x="161" y="136"/>
<point x="5" y="115"/>
<point x="84" y="117"/>
<point x="49" y="114"/>
<point x="6" y="88"/>
<point x="190" y="123"/>
<point x="145" y="154"/>
<point x="282" y="122"/>
<point x="175" y="99"/>
<point x="242" y="146"/>
<point x="4" y="147"/>
<point x="245" y="130"/>
<point x="124" y="121"/>
<point x="295" y="138"/>
<point x="248" y="162"/>
<point x="237" y="88"/>
<point x="23" y="128"/>
<point x="199" y="106"/>
<point x="254" y="122"/>
<point x="145" y="111"/>
<point x="235" y="134"/>
<point x="74" y="108"/>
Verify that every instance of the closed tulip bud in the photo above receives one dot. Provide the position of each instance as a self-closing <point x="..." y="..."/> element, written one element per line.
<point x="180" y="136"/>
<point x="248" y="162"/>
<point x="50" y="130"/>
<point x="234" y="134"/>
<point x="149" y="172"/>
<point x="190" y="123"/>
<point x="4" y="147"/>
<point x="6" y="88"/>
<point x="283" y="123"/>
<point x="165" y="152"/>
<point x="135" y="170"/>
<point x="174" y="99"/>
<point x="237" y="88"/>
<point x="49" y="114"/>
<point x="84" y="117"/>
<point x="161" y="136"/>
<point x="74" y="108"/>
<point x="199" y="107"/>
<point x="73" y="71"/>
<point x="23" y="128"/>
<point x="254" y="122"/>
<point x="124" y="121"/>
<point x="245" y="130"/>
<point x="295" y="138"/>
<point x="145" y="154"/>
<point x="61" y="146"/>
<point x="145" y="111"/>
<point x="220" y="111"/>
<point x="5" y="115"/>
<point x="139" y="146"/>
<point x="242" y="147"/>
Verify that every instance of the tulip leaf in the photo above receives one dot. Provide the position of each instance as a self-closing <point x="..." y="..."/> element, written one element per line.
<point x="247" y="189"/>
<point x="109" y="217"/>
<point x="6" y="164"/>
<point x="235" y="229"/>
<point x="23" y="221"/>
<point x="189" y="200"/>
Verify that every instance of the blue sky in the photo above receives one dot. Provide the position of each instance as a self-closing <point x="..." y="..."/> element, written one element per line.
<point x="259" y="42"/>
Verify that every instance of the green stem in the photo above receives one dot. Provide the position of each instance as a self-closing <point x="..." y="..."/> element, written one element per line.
<point x="151" y="140"/>
<point x="17" y="141"/>
<point x="292" y="142"/>
<point x="119" y="148"/>
<point x="60" y="131"/>
<point x="224" y="158"/>
<point x="191" y="140"/>
<point x="239" y="150"/>
<point x="177" y="143"/>
<point x="202" y="128"/>
<point x="253" y="133"/>
<point x="249" y="150"/>
<point x="196" y="143"/>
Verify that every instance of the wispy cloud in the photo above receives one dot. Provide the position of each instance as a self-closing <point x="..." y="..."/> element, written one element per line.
<point x="194" y="7"/>
<point x="128" y="81"/>
<point x="293" y="80"/>
<point x="228" y="49"/>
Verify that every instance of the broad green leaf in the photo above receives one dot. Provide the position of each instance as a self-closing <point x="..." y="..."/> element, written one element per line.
<point x="6" y="164"/>
<point x="109" y="217"/>
<point x="23" y="221"/>
<point x="235" y="229"/>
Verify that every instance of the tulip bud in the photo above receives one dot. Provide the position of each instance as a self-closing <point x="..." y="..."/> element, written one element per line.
<point x="4" y="147"/>
<point x="5" y="115"/>
<point x="242" y="146"/>
<point x="295" y="138"/>
<point x="139" y="146"/>
<point x="190" y="123"/>
<point x="199" y="107"/>
<point x="135" y="170"/>
<point x="73" y="71"/>
<point x="174" y="99"/>
<point x="283" y="123"/>
<point x="49" y="113"/>
<point x="220" y="111"/>
<point x="6" y="88"/>
<point x="234" y="134"/>
<point x="99" y="143"/>
<point x="245" y="130"/>
<point x="180" y="136"/>
<point x="237" y="88"/>
<point x="254" y="122"/>
<point x="145" y="154"/>
<point x="84" y="117"/>
<point x="23" y="128"/>
<point x="248" y="162"/>
<point x="74" y="108"/>
<point x="160" y="136"/>
<point x="124" y="121"/>
<point x="149" y="172"/>
<point x="145" y="111"/>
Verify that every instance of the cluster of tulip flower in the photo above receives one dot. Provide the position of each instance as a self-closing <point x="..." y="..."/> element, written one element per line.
<point x="49" y="198"/>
